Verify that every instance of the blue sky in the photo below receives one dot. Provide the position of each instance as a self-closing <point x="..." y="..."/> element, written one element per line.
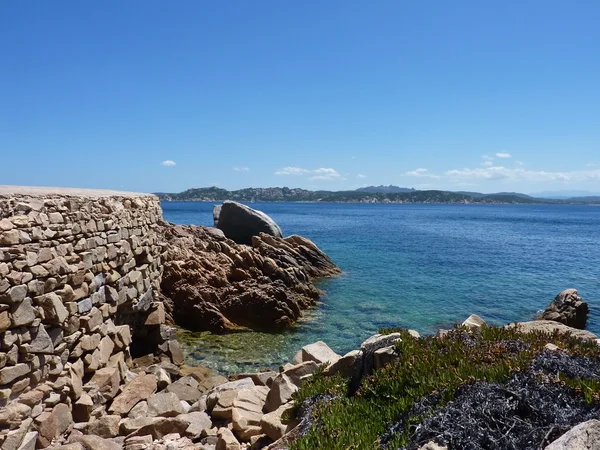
<point x="164" y="96"/>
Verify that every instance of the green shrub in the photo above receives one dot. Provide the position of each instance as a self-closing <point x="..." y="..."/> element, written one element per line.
<point x="426" y="366"/>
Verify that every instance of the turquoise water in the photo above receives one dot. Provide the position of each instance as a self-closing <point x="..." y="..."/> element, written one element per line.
<point x="418" y="266"/>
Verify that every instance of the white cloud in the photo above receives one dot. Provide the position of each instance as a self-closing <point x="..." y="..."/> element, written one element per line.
<point x="323" y="173"/>
<point x="491" y="172"/>
<point x="168" y="163"/>
<point x="520" y="174"/>
<point x="422" y="173"/>
<point x="291" y="171"/>
<point x="503" y="155"/>
<point x="241" y="169"/>
<point x="360" y="175"/>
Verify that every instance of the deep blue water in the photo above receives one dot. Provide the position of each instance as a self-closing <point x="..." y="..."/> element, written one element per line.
<point x="419" y="266"/>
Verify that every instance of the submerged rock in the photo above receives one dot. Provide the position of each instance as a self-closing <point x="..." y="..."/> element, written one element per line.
<point x="240" y="222"/>
<point x="567" y="308"/>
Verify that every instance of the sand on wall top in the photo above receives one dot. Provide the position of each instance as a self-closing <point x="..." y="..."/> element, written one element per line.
<point x="40" y="191"/>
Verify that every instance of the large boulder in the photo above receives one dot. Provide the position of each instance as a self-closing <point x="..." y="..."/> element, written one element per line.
<point x="240" y="222"/>
<point x="568" y="308"/>
<point x="549" y="327"/>
<point x="320" y="353"/>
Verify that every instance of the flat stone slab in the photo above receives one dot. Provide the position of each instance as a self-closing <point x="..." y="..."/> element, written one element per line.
<point x="41" y="191"/>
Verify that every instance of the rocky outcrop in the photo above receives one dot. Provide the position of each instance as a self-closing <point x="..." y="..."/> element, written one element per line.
<point x="212" y="283"/>
<point x="550" y="327"/>
<point x="567" y="308"/>
<point x="240" y="223"/>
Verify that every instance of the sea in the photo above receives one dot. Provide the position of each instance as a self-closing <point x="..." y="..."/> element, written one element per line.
<point x="419" y="266"/>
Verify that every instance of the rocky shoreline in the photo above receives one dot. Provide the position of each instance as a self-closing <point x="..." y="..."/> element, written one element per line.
<point x="160" y="405"/>
<point x="212" y="283"/>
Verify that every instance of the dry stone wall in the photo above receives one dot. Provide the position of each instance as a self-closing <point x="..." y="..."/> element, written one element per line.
<point x="79" y="272"/>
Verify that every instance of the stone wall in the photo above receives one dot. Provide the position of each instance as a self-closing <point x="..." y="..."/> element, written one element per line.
<point x="78" y="275"/>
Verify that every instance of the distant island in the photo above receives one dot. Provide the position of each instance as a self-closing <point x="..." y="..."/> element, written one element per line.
<point x="369" y="194"/>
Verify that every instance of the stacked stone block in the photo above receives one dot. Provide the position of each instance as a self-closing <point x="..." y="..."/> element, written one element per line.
<point x="78" y="276"/>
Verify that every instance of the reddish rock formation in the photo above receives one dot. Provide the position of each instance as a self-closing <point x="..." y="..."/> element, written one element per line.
<point x="212" y="283"/>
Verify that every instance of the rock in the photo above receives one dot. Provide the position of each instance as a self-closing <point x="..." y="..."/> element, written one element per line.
<point x="105" y="426"/>
<point x="272" y="424"/>
<point x="91" y="442"/>
<point x="54" y="424"/>
<point x="567" y="308"/>
<point x="138" y="442"/>
<point x="295" y="373"/>
<point x="162" y="426"/>
<point x="73" y="446"/>
<point x="157" y="316"/>
<point x="40" y="341"/>
<point x="15" y="437"/>
<point x="280" y="393"/>
<point x="346" y="365"/>
<point x="243" y="383"/>
<point x="227" y="440"/>
<point x="247" y="412"/>
<point x="217" y="285"/>
<point x="433" y="446"/>
<point x="365" y="364"/>
<point x="139" y="389"/>
<point x="165" y="404"/>
<point x="11" y="373"/>
<point x="383" y="356"/>
<point x="163" y="379"/>
<point x="224" y="405"/>
<point x="82" y="409"/>
<point x="297" y="359"/>
<point x="23" y="313"/>
<point x="54" y="310"/>
<point x="550" y="326"/>
<point x="197" y="422"/>
<point x="186" y="388"/>
<point x="139" y="410"/>
<point x="131" y="425"/>
<point x="551" y="347"/>
<point x="473" y="322"/>
<point x="106" y="382"/>
<point x="259" y="378"/>
<point x="239" y="223"/>
<point x="585" y="436"/>
<point x="216" y="214"/>
<point x="320" y="353"/>
<point x="14" y="412"/>
<point x="29" y="441"/>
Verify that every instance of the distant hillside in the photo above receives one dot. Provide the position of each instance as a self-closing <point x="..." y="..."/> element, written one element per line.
<point x="284" y="194"/>
<point x="391" y="189"/>
<point x="563" y="195"/>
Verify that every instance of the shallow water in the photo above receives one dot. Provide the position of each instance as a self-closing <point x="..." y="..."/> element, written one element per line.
<point x="418" y="266"/>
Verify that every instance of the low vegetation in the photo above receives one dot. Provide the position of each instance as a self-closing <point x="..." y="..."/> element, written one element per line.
<point x="493" y="388"/>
